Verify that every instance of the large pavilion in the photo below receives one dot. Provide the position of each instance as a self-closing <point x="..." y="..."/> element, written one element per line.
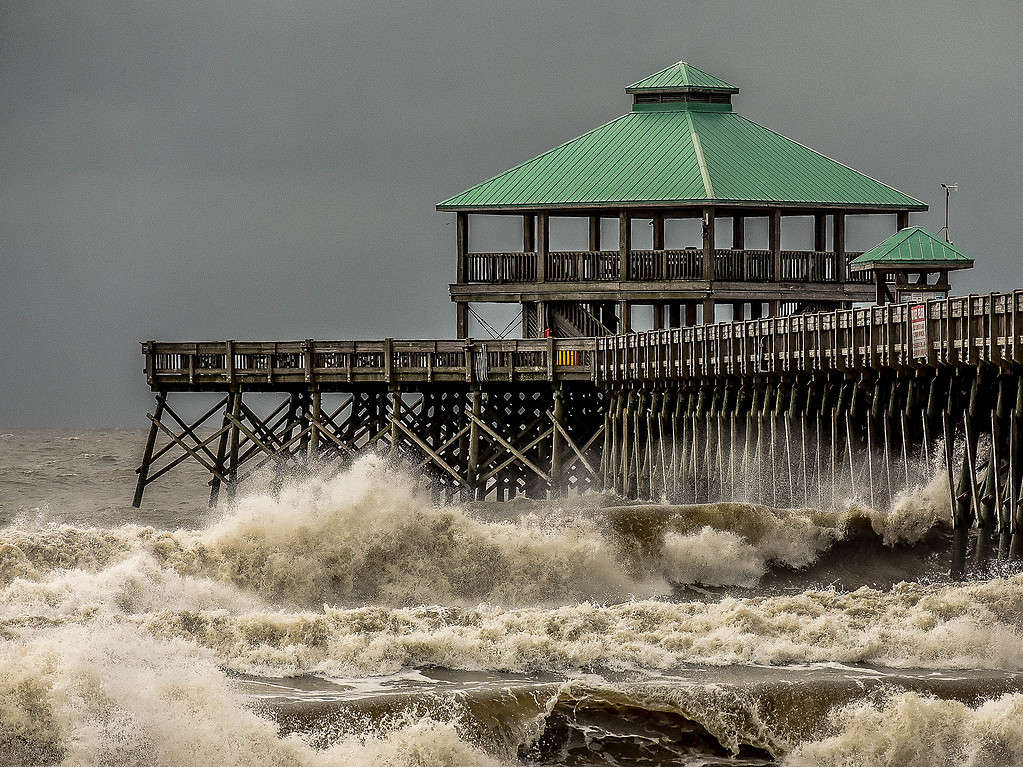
<point x="681" y="152"/>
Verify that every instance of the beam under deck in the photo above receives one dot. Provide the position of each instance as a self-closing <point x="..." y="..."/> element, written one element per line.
<point x="690" y="290"/>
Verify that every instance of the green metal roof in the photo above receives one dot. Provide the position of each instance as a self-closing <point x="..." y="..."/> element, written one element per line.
<point x="912" y="246"/>
<point x="680" y="153"/>
<point x="679" y="76"/>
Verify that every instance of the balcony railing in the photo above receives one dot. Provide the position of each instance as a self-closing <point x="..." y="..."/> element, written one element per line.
<point x="582" y="266"/>
<point x="733" y="265"/>
<point x="495" y="268"/>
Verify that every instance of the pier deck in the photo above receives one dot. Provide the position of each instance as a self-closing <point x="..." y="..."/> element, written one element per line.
<point x="961" y="330"/>
<point x="331" y="366"/>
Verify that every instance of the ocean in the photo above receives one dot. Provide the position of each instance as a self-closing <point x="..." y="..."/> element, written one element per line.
<point x="348" y="619"/>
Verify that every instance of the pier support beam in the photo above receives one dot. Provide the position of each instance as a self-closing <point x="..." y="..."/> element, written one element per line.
<point x="147" y="455"/>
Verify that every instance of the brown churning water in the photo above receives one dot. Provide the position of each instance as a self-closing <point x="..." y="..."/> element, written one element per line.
<point x="352" y="621"/>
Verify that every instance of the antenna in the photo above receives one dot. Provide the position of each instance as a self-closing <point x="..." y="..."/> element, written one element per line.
<point x="949" y="188"/>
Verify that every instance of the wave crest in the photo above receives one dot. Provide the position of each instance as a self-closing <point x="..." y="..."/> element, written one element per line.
<point x="915" y="730"/>
<point x="114" y="696"/>
<point x="371" y="537"/>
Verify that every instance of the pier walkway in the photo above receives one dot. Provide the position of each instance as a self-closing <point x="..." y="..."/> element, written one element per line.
<point x="961" y="330"/>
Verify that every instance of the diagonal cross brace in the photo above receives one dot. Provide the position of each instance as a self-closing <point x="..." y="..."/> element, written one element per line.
<point x="509" y="447"/>
<point x="188" y="448"/>
<point x="571" y="443"/>
<point x="429" y="451"/>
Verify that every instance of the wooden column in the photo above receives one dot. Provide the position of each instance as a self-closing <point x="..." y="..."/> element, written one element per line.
<point x="461" y="320"/>
<point x="147" y="455"/>
<point x="222" y="444"/>
<point x="880" y="291"/>
<point x="543" y="234"/>
<point x="625" y="317"/>
<point x="232" y="466"/>
<point x="528" y="233"/>
<point x="738" y="311"/>
<point x="756" y="309"/>
<point x="594" y="233"/>
<point x="690" y="313"/>
<point x="708" y="244"/>
<point x="558" y="413"/>
<point x="820" y="232"/>
<point x="472" y="469"/>
<point x="314" y="421"/>
<point x="658" y="316"/>
<point x="461" y="244"/>
<point x="624" y="244"/>
<point x="658" y="226"/>
<point x="395" y="417"/>
<point x="838" y="245"/>
<point x="739" y="242"/>
<point x="738" y="232"/>
<point x="708" y="262"/>
<point x="708" y="311"/>
<point x="774" y="237"/>
<point x="675" y="315"/>
<point x="901" y="220"/>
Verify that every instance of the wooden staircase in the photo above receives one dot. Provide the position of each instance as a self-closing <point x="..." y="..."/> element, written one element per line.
<point x="570" y="320"/>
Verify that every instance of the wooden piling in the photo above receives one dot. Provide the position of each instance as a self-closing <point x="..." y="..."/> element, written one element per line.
<point x="558" y="413"/>
<point x="473" y="467"/>
<point x="147" y="454"/>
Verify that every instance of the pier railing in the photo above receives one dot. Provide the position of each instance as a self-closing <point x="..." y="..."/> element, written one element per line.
<point x="271" y="365"/>
<point x="733" y="265"/>
<point x="951" y="331"/>
<point x="963" y="330"/>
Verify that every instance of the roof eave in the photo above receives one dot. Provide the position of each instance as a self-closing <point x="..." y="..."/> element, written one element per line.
<point x="682" y="89"/>
<point x="882" y="264"/>
<point x="835" y="206"/>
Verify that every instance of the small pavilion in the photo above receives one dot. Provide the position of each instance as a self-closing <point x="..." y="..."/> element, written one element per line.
<point x="911" y="261"/>
<point x="681" y="152"/>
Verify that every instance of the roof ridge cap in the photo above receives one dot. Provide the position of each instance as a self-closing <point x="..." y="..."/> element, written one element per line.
<point x="701" y="160"/>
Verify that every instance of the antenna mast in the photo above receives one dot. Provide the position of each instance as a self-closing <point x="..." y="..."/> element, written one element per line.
<point x="948" y="189"/>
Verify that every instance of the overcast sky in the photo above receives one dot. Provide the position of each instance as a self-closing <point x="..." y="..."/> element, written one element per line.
<point x="240" y="169"/>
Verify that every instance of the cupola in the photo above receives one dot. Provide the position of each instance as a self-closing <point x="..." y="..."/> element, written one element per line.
<point x="681" y="84"/>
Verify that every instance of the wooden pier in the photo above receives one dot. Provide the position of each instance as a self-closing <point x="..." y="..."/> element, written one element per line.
<point x="848" y="402"/>
<point x="494" y="418"/>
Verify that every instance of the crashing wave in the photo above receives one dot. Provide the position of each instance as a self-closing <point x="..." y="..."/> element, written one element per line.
<point x="370" y="537"/>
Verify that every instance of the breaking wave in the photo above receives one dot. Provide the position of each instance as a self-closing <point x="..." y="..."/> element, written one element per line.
<point x="112" y="696"/>
<point x="115" y="695"/>
<point x="371" y="537"/>
<point x="914" y="730"/>
<point x="118" y="646"/>
<point x="921" y="626"/>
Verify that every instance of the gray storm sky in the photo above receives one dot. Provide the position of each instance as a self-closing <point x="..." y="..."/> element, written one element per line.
<point x="267" y="169"/>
